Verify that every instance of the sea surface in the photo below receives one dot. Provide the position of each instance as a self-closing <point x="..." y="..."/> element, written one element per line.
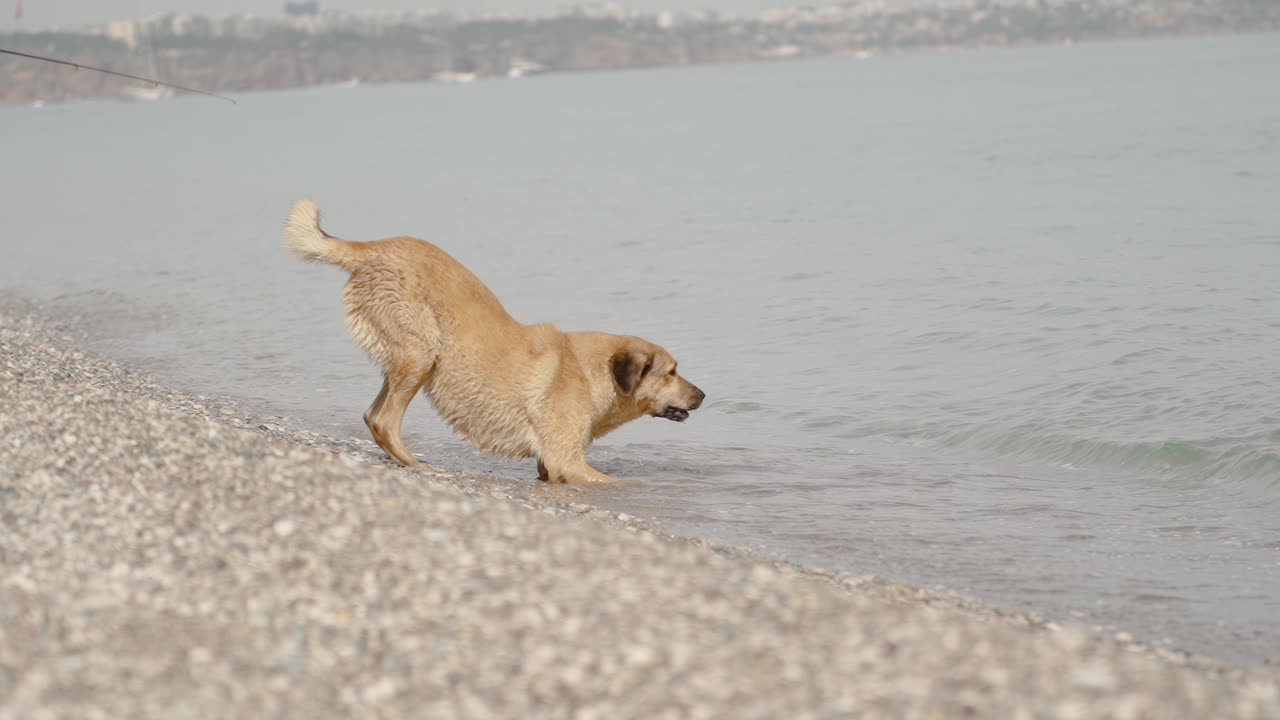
<point x="1005" y="321"/>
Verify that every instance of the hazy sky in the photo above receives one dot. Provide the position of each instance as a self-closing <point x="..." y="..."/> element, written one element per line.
<point x="43" y="13"/>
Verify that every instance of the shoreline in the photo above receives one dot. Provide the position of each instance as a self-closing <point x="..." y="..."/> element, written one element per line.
<point x="300" y="67"/>
<point x="164" y="552"/>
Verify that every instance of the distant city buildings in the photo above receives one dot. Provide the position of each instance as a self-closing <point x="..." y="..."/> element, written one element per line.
<point x="304" y="45"/>
<point x="297" y="9"/>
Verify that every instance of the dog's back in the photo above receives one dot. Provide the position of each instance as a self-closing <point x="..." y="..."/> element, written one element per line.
<point x="426" y="319"/>
<point x="405" y="295"/>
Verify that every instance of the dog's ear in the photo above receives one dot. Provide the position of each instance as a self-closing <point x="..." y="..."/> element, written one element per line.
<point x="629" y="368"/>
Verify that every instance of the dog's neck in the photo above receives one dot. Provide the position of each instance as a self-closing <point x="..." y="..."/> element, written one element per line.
<point x="614" y="416"/>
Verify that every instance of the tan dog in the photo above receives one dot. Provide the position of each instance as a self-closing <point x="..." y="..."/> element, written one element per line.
<point x="512" y="389"/>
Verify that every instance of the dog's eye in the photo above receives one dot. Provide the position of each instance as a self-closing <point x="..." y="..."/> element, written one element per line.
<point x="673" y="371"/>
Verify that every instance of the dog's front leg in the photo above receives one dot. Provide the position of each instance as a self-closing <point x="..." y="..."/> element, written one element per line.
<point x="562" y="451"/>
<point x="577" y="472"/>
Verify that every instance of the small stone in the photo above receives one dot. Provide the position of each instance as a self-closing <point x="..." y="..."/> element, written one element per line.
<point x="1093" y="676"/>
<point x="378" y="691"/>
<point x="641" y="655"/>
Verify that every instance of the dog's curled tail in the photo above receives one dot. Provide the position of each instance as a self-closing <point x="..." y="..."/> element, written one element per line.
<point x="304" y="238"/>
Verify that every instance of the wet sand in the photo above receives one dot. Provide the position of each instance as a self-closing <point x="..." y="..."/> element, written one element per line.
<point x="163" y="555"/>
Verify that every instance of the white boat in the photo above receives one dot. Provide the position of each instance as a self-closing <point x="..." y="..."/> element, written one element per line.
<point x="453" y="77"/>
<point x="142" y="93"/>
<point x="781" y="51"/>
<point x="148" y="93"/>
<point x="521" y="68"/>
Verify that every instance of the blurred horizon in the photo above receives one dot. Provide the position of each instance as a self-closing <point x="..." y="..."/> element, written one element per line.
<point x="41" y="14"/>
<point x="308" y="42"/>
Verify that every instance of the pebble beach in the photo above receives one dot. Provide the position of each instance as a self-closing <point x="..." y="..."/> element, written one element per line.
<point x="165" y="555"/>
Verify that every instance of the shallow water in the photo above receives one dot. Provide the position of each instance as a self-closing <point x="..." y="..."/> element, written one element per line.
<point x="1002" y="320"/>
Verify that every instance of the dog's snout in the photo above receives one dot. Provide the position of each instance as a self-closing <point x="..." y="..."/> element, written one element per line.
<point x="697" y="399"/>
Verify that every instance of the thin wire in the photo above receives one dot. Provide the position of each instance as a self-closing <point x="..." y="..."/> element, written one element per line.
<point x="153" y="81"/>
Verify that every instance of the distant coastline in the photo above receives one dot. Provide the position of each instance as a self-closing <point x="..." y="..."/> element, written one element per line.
<point x="309" y="48"/>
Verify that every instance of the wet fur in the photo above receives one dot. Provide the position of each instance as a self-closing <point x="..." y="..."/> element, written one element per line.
<point x="511" y="389"/>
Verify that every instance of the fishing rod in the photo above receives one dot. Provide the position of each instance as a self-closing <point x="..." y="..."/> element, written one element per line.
<point x="153" y="81"/>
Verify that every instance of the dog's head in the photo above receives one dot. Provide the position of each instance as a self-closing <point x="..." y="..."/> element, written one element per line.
<point x="646" y="374"/>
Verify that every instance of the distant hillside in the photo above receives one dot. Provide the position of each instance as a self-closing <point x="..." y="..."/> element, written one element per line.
<point x="243" y="53"/>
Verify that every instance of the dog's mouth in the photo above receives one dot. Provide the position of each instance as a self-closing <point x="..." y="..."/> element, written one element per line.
<point x="674" y="413"/>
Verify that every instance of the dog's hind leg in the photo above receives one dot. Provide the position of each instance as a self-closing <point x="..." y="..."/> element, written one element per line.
<point x="376" y="409"/>
<point x="401" y="383"/>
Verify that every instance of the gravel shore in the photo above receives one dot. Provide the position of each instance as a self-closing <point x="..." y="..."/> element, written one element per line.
<point x="162" y="555"/>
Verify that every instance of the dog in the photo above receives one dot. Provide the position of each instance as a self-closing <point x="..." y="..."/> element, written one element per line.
<point x="529" y="391"/>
